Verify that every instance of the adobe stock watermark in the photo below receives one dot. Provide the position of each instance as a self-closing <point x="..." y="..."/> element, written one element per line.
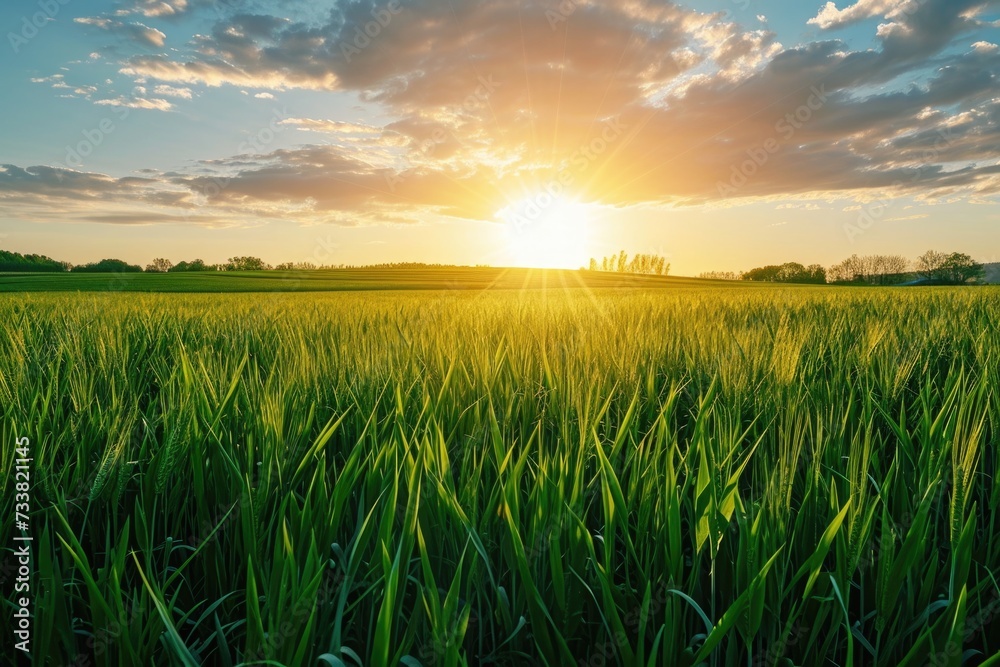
<point x="106" y="637"/>
<point x="221" y="6"/>
<point x="777" y="651"/>
<point x="609" y="652"/>
<point x="364" y="35"/>
<point x="31" y="25"/>
<point x="561" y="13"/>
<point x="742" y="5"/>
<point x="292" y="621"/>
<point x="533" y="210"/>
<point x="435" y="650"/>
<point x="486" y="86"/>
<point x="22" y="543"/>
<point x="874" y="211"/>
<point x="254" y="145"/>
<point x="952" y="651"/>
<point x="92" y="138"/>
<point x="784" y="131"/>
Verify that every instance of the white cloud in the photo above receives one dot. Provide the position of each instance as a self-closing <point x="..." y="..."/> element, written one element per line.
<point x="156" y="8"/>
<point x="830" y="17"/>
<point x="137" y="32"/>
<point x="171" y="91"/>
<point x="331" y="126"/>
<point x="137" y="103"/>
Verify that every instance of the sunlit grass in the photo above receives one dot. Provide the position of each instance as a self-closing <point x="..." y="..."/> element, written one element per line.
<point x="727" y="477"/>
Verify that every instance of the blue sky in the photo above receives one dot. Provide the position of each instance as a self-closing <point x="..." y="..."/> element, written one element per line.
<point x="215" y="128"/>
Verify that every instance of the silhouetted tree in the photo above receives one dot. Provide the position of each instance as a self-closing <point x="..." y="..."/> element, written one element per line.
<point x="930" y="264"/>
<point x="960" y="268"/>
<point x="646" y="264"/>
<point x="720" y="275"/>
<point x="791" y="272"/>
<point x="247" y="264"/>
<point x="871" y="270"/>
<point x="15" y="261"/>
<point x="108" y="266"/>
<point x="296" y="266"/>
<point x="194" y="265"/>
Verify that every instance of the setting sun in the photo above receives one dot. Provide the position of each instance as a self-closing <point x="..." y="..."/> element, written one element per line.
<point x="547" y="231"/>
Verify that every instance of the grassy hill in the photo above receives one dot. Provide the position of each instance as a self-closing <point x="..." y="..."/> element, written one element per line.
<point x="437" y="278"/>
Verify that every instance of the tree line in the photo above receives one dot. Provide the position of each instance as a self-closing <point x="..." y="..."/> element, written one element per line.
<point x="257" y="264"/>
<point x="15" y="261"/>
<point x="790" y="272"/>
<point x="646" y="264"/>
<point x="933" y="267"/>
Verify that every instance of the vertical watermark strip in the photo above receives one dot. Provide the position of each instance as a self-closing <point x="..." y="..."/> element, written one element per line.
<point x="22" y="545"/>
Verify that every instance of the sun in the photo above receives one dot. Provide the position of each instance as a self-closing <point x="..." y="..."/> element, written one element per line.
<point x="546" y="231"/>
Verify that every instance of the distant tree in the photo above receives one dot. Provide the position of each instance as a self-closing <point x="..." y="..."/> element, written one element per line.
<point x="159" y="265"/>
<point x="108" y="266"/>
<point x="15" y="261"/>
<point x="960" y="268"/>
<point x="930" y="265"/>
<point x="870" y="270"/>
<point x="296" y="266"/>
<point x="767" y="274"/>
<point x="893" y="269"/>
<point x="720" y="275"/>
<point x="646" y="264"/>
<point x="818" y="273"/>
<point x="791" y="272"/>
<point x="954" y="269"/>
<point x="194" y="265"/>
<point x="247" y="264"/>
<point x="845" y="272"/>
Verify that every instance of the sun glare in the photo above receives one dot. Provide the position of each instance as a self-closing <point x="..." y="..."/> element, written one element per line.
<point x="547" y="232"/>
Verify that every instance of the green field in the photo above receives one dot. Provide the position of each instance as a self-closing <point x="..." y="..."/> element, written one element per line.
<point x="721" y="476"/>
<point x="444" y="278"/>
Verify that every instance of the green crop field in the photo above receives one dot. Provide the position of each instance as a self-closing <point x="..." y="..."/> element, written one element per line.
<point x="332" y="280"/>
<point x="724" y="476"/>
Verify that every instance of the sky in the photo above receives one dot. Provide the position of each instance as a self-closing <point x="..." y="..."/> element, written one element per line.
<point x="723" y="134"/>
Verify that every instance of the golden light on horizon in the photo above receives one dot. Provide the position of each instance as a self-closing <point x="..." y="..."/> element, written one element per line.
<point x="546" y="231"/>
